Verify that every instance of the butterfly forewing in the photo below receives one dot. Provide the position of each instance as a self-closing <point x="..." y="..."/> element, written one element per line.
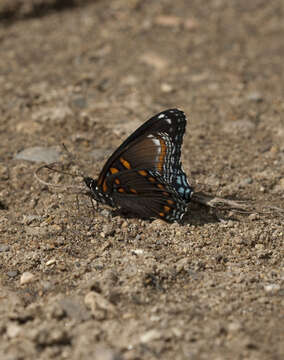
<point x="144" y="174"/>
<point x="149" y="141"/>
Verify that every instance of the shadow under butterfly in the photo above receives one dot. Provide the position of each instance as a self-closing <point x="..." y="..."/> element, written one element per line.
<point x="144" y="176"/>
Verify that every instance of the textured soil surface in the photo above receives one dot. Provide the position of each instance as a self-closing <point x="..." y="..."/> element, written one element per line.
<point x="79" y="284"/>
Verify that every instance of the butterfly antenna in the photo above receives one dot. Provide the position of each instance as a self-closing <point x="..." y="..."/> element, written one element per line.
<point x="53" y="169"/>
<point x="50" y="167"/>
<point x="65" y="187"/>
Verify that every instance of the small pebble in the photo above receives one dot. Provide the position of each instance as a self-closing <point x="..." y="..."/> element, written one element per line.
<point x="4" y="248"/>
<point x="80" y="102"/>
<point x="4" y="172"/>
<point x="234" y="326"/>
<point x="105" y="213"/>
<point x="154" y="60"/>
<point x="181" y="264"/>
<point x="150" y="336"/>
<point x="13" y="330"/>
<point x="27" y="277"/>
<point x="46" y="285"/>
<point x="28" y="219"/>
<point x="100" y="307"/>
<point x="281" y="183"/>
<point x="138" y="251"/>
<point x="259" y="246"/>
<point x="168" y="20"/>
<point x="255" y="96"/>
<point x="50" y="262"/>
<point x="247" y="181"/>
<point x="39" y="154"/>
<point x="12" y="273"/>
<point x="103" y="353"/>
<point x="253" y="216"/>
<point x="191" y="24"/>
<point x="166" y="88"/>
<point x="272" y="288"/>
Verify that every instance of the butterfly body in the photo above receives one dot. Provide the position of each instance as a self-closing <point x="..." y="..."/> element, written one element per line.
<point x="144" y="175"/>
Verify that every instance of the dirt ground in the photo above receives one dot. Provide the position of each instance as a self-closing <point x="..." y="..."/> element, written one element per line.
<point x="79" y="285"/>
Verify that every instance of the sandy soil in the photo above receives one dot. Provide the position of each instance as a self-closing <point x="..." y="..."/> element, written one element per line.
<point x="79" y="285"/>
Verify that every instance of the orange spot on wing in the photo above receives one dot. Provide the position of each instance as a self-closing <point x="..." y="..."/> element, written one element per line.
<point x="167" y="208"/>
<point x="125" y="163"/>
<point x="113" y="170"/>
<point x="143" y="172"/>
<point x="161" y="214"/>
<point x="121" y="190"/>
<point x="160" y="186"/>
<point x="133" y="191"/>
<point x="162" y="155"/>
<point x="117" y="181"/>
<point x="166" y="194"/>
<point x="151" y="179"/>
<point x="171" y="202"/>
<point x="104" y="186"/>
<point x="100" y="180"/>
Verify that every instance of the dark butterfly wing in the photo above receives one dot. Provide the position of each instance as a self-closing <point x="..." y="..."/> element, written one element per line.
<point x="154" y="145"/>
<point x="144" y="192"/>
<point x="144" y="174"/>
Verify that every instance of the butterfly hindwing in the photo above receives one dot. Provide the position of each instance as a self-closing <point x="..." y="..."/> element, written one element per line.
<point x="145" y="193"/>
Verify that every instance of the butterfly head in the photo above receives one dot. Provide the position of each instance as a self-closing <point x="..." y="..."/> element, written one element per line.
<point x="93" y="186"/>
<point x="90" y="182"/>
<point x="97" y="192"/>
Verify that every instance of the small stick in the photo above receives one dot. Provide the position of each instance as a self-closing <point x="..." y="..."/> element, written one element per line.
<point x="239" y="206"/>
<point x="214" y="201"/>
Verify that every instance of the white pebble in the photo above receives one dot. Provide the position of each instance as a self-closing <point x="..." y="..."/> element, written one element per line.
<point x="13" y="330"/>
<point x="50" y="262"/>
<point x="272" y="288"/>
<point x="150" y="336"/>
<point x="26" y="278"/>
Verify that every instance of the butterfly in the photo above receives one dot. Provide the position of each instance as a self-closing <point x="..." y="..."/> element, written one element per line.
<point x="144" y="175"/>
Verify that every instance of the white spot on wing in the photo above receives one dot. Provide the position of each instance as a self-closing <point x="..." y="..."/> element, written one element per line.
<point x="161" y="116"/>
<point x="156" y="141"/>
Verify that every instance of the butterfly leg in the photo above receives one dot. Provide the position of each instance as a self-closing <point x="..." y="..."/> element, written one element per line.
<point x="95" y="208"/>
<point x="77" y="202"/>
